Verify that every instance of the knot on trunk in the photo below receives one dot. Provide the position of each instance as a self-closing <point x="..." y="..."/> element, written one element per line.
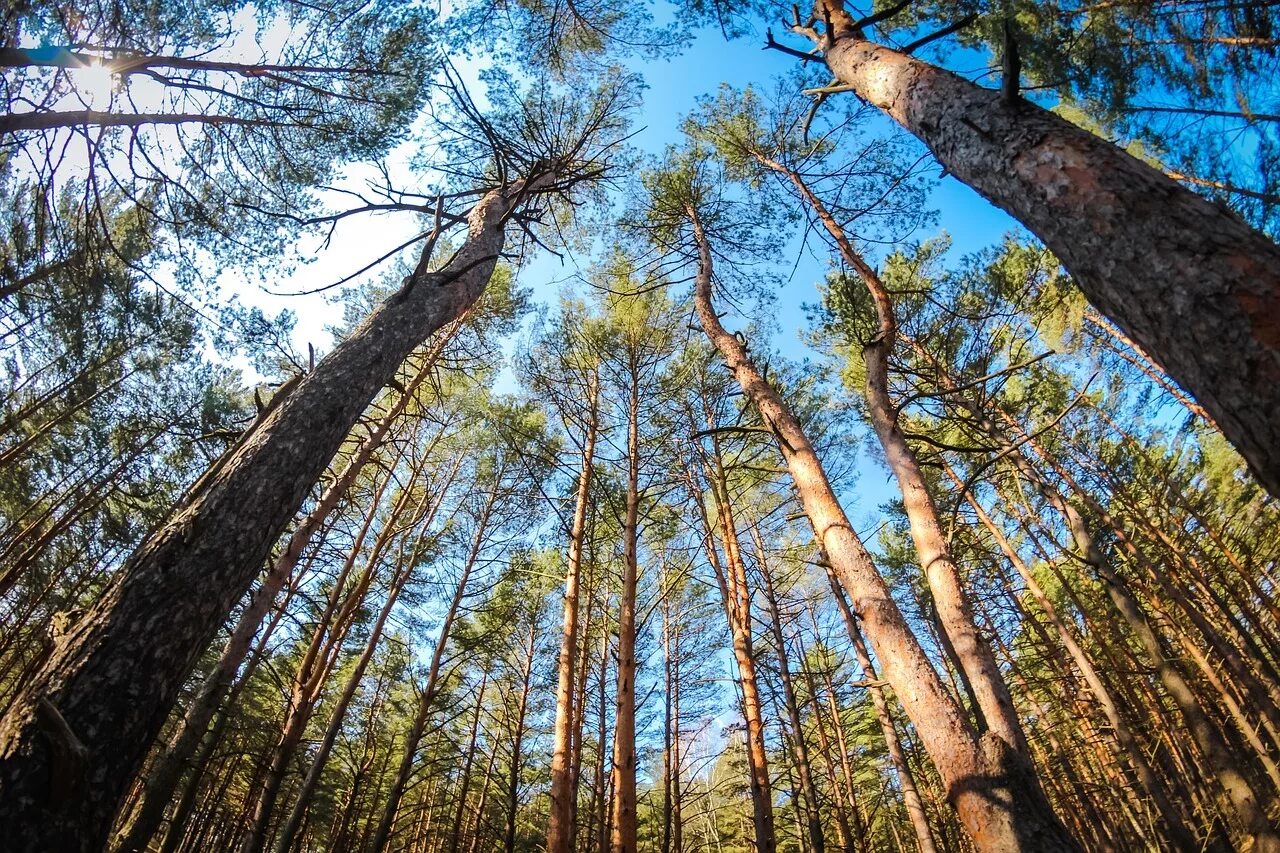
<point x="68" y="755"/>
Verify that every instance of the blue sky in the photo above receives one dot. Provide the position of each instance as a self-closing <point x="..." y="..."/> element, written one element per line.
<point x="673" y="86"/>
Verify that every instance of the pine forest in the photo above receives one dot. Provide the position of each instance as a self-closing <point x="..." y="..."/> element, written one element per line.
<point x="639" y="426"/>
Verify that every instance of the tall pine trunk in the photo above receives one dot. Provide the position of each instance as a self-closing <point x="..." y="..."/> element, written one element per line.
<point x="72" y="742"/>
<point x="563" y="788"/>
<point x="163" y="776"/>
<point x="992" y="786"/>
<point x="623" y="837"/>
<point x="731" y="578"/>
<point x="957" y="625"/>
<point x="1194" y="285"/>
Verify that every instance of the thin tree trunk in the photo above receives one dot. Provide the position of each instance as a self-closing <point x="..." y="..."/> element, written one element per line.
<point x="736" y="597"/>
<point x="318" y="662"/>
<point x="623" y="836"/>
<point x="799" y="748"/>
<point x="1128" y="746"/>
<point x="459" y="815"/>
<point x="517" y="744"/>
<point x="563" y="789"/>
<point x="849" y="840"/>
<point x="425" y="701"/>
<point x="302" y="799"/>
<point x="974" y="660"/>
<point x="906" y="781"/>
<point x="991" y="785"/>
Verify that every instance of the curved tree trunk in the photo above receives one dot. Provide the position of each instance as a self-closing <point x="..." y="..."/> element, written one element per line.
<point x="1194" y="285"/>
<point x="72" y="742"/>
<point x="992" y="787"/>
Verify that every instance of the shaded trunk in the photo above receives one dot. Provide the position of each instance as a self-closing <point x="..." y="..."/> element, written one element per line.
<point x="1126" y="744"/>
<point x="72" y="742"/>
<point x="163" y="776"/>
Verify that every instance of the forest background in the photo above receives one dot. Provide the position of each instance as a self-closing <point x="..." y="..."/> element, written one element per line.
<point x="371" y="478"/>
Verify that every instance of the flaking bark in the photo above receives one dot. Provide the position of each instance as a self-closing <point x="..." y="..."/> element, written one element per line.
<point x="116" y="674"/>
<point x="1188" y="280"/>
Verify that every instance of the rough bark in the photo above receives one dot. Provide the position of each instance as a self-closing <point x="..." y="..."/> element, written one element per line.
<point x="1194" y="285"/>
<point x="115" y="675"/>
<point x="992" y="787"/>
<point x="163" y="776"/>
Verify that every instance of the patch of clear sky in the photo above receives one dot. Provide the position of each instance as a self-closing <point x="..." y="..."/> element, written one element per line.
<point x="673" y="86"/>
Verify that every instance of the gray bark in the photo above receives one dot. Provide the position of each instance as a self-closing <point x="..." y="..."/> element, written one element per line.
<point x="71" y="743"/>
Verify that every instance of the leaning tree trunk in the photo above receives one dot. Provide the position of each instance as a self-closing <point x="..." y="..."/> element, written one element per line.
<point x="563" y="790"/>
<point x="163" y="777"/>
<point x="992" y="787"/>
<point x="1121" y="734"/>
<point x="423" y="521"/>
<point x="1193" y="284"/>
<point x="73" y="740"/>
<point x="993" y="705"/>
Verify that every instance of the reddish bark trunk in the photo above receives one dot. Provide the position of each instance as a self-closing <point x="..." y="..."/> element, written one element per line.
<point x="991" y="786"/>
<point x="563" y="790"/>
<point x="1194" y="285"/>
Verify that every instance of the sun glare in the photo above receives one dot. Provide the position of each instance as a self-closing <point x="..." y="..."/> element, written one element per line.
<point x="94" y="84"/>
